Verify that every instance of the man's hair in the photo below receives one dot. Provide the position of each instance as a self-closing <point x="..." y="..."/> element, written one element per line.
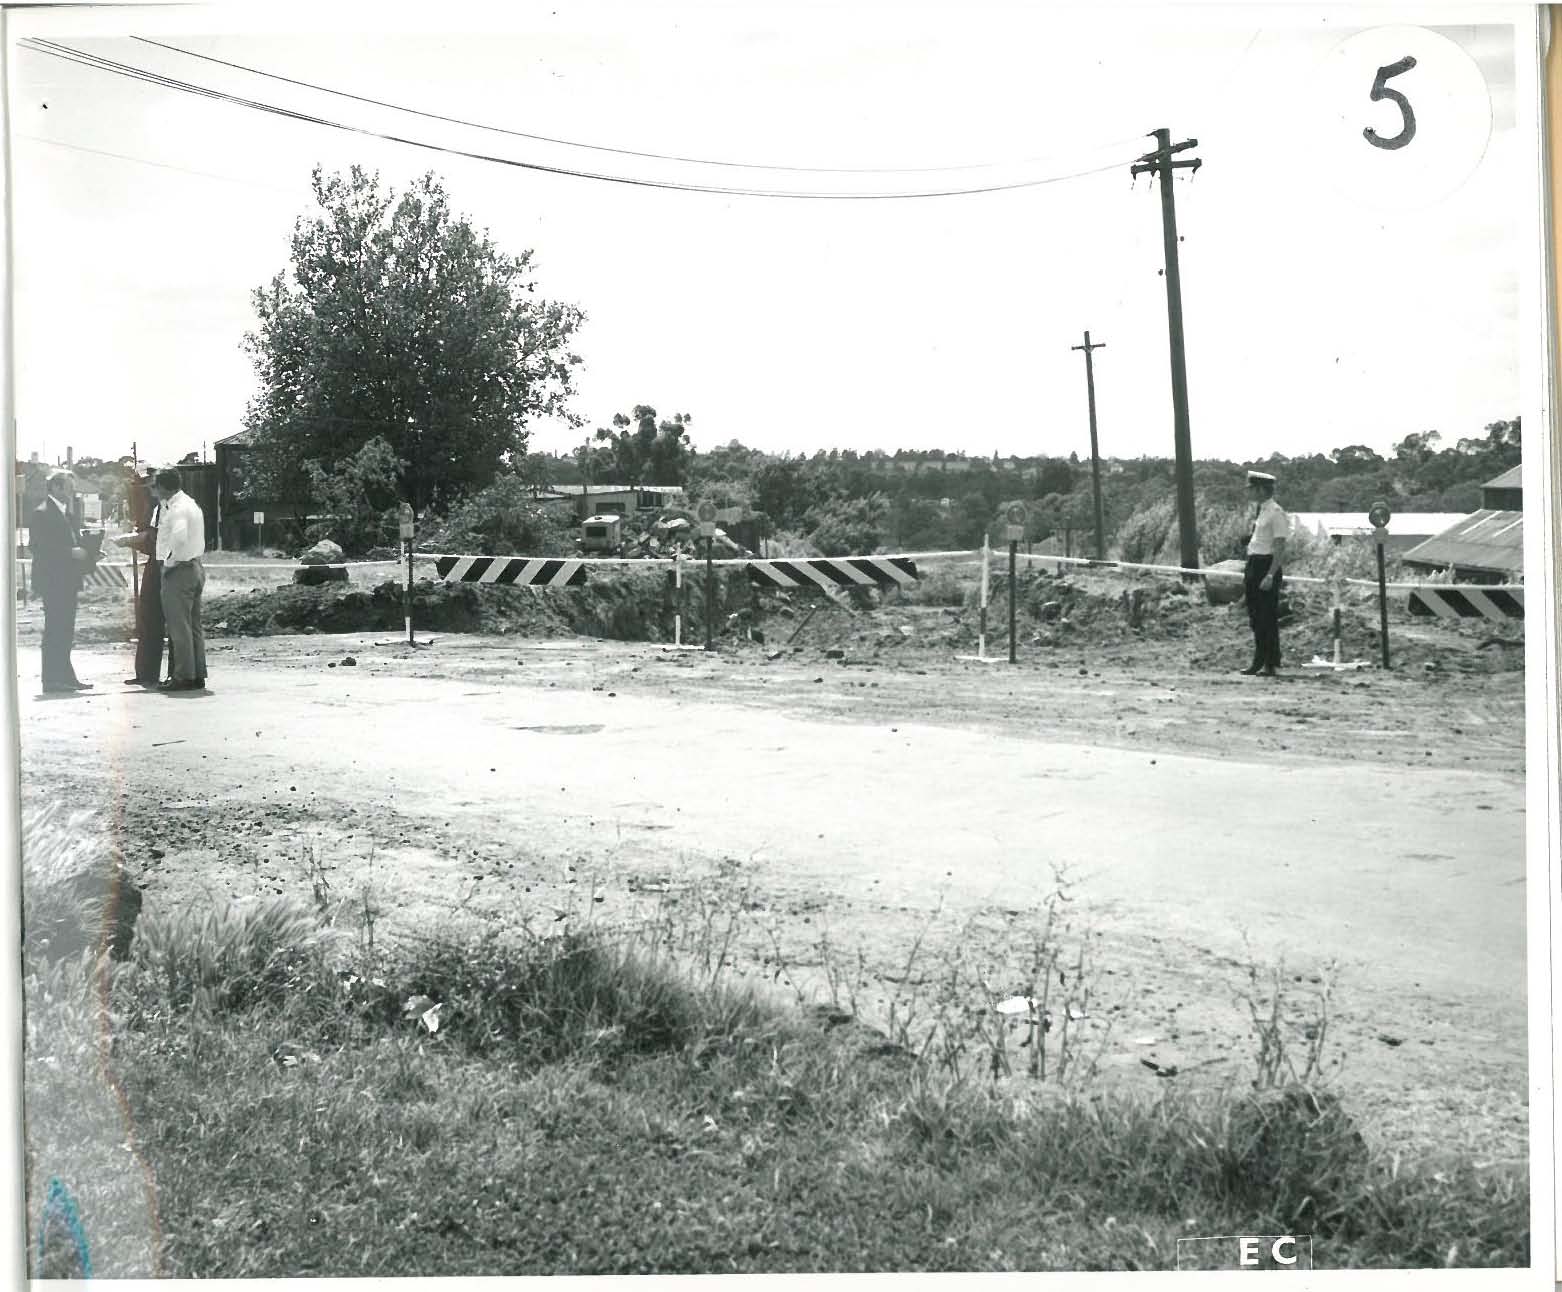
<point x="1265" y="487"/>
<point x="170" y="479"/>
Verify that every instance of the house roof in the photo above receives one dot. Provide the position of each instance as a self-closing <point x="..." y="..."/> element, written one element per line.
<point x="1512" y="478"/>
<point x="1484" y="540"/>
<point x="595" y="490"/>
<point x="242" y="439"/>
<point x="1406" y="524"/>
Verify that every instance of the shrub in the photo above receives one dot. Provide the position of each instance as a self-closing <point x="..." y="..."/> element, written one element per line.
<point x="359" y="495"/>
<point x="231" y="957"/>
<point x="503" y="519"/>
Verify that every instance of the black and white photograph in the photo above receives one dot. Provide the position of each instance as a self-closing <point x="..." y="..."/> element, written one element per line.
<point x="789" y="639"/>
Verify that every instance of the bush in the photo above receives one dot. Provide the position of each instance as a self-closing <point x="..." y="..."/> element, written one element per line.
<point x="228" y="958"/>
<point x="360" y="496"/>
<point x="1144" y="536"/>
<point x="504" y="519"/>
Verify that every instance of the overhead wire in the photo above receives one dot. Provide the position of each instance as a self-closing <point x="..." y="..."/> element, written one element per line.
<point x="101" y="63"/>
<point x="606" y="148"/>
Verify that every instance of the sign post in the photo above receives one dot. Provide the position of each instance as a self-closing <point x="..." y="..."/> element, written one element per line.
<point x="1379" y="516"/>
<point x="1015" y="530"/>
<point x="408" y="526"/>
<point x="706" y="514"/>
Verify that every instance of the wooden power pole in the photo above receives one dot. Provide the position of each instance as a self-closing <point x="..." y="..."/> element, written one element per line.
<point x="1095" y="450"/>
<point x="1160" y="164"/>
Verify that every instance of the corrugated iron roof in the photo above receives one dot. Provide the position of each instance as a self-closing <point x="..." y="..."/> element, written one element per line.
<point x="1512" y="478"/>
<point x="1485" y="540"/>
<point x="242" y="439"/>
<point x="1405" y="524"/>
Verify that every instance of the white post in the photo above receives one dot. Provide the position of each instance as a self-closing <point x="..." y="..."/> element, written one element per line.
<point x="677" y="598"/>
<point x="981" y="635"/>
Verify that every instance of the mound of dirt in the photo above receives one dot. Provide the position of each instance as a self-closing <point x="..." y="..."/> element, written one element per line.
<point x="634" y="605"/>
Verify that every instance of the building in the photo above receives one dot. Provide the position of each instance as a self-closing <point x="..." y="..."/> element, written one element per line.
<point x="1405" y="530"/>
<point x="1486" y="546"/>
<point x="245" y="518"/>
<point x="616" y="499"/>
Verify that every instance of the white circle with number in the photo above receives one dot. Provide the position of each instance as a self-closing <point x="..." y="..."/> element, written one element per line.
<point x="706" y="511"/>
<point x="1401" y="118"/>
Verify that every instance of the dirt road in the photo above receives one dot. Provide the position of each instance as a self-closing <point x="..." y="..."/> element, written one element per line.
<point x="1337" y="817"/>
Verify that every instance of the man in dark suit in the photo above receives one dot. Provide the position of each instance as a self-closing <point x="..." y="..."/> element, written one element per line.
<point x="59" y="562"/>
<point x="150" y="628"/>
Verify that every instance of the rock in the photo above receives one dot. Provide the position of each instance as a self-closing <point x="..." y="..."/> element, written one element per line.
<point x="835" y="653"/>
<point x="774" y="655"/>
<point x="382" y="554"/>
<point x="271" y="554"/>
<point x="1050" y="611"/>
<point x="310" y="575"/>
<point x="1224" y="592"/>
<point x="905" y="630"/>
<point x="350" y="662"/>
<point x="325" y="552"/>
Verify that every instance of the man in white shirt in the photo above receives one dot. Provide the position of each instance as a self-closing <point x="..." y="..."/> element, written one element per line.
<point x="181" y="542"/>
<point x="1261" y="578"/>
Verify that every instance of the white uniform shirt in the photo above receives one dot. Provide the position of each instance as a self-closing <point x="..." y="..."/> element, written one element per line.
<point x="181" y="530"/>
<point x="1272" y="523"/>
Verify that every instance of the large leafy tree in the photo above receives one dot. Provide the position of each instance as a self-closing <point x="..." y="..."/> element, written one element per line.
<point x="399" y="321"/>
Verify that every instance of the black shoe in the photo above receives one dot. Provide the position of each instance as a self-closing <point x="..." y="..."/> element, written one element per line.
<point x="183" y="686"/>
<point x="1268" y="672"/>
<point x="1252" y="670"/>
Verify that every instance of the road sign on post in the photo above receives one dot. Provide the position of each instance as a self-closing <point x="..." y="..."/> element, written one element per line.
<point x="1380" y="515"/>
<point x="706" y="514"/>
<point x="1015" y="517"/>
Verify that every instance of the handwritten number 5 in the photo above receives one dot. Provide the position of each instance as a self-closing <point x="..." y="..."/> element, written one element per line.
<point x="1380" y="91"/>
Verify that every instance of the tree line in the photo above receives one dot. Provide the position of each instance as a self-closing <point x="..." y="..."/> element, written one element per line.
<point x="402" y="355"/>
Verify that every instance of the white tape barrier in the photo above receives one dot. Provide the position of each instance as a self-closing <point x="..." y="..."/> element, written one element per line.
<point x="973" y="554"/>
<point x="1237" y="574"/>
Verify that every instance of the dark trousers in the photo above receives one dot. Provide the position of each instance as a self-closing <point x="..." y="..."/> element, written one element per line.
<point x="150" y="629"/>
<point x="59" y="634"/>
<point x="182" y="585"/>
<point x="1263" y="611"/>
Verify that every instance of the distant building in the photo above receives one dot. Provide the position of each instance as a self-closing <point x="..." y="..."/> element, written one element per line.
<point x="1405" y="530"/>
<point x="238" y="502"/>
<point x="1486" y="546"/>
<point x="615" y="499"/>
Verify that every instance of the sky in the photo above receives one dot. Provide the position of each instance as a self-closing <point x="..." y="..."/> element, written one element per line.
<point x="1334" y="292"/>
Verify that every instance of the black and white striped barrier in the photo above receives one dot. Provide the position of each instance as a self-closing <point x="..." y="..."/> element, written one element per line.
<point x="105" y="576"/>
<point x="834" y="573"/>
<point x="512" y="571"/>
<point x="1467" y="601"/>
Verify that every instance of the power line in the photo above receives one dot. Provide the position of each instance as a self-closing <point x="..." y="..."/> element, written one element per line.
<point x="132" y="72"/>
<point x="147" y="161"/>
<point x="606" y="148"/>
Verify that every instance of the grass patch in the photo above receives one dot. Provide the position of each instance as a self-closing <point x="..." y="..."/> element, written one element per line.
<point x="586" y="1104"/>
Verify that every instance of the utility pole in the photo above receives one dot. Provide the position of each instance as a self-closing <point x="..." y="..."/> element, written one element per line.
<point x="1095" y="452"/>
<point x="1159" y="163"/>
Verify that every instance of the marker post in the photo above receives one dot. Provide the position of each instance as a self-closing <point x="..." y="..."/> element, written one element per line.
<point x="706" y="514"/>
<point x="1380" y="515"/>
<point x="1015" y="527"/>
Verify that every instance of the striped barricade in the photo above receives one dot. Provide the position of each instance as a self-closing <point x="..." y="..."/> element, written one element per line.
<point x="1467" y="602"/>
<point x="513" y="571"/>
<point x="105" y="576"/>
<point x="834" y="573"/>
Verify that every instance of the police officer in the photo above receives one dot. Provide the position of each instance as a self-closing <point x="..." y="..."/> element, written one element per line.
<point x="1262" y="575"/>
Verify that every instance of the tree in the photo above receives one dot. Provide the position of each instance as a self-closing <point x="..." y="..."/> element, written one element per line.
<point x="646" y="452"/>
<point x="1355" y="457"/>
<point x="399" y="321"/>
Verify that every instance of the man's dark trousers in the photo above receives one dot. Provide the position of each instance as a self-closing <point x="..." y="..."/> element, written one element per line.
<point x="1263" y="610"/>
<point x="57" y="581"/>
<point x="150" y="628"/>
